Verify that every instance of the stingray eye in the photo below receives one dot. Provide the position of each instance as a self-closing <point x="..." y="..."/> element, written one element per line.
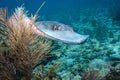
<point x="56" y="27"/>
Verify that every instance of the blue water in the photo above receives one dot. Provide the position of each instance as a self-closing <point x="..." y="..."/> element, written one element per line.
<point x="58" y="5"/>
<point x="53" y="7"/>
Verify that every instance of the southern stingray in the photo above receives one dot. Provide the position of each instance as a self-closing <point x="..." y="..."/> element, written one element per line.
<point x="61" y="32"/>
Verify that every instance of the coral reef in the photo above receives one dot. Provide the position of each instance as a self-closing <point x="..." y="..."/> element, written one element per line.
<point x="104" y="41"/>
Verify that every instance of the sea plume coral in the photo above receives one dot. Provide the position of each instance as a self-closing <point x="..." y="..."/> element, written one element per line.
<point x="92" y="74"/>
<point x="23" y="50"/>
<point x="113" y="74"/>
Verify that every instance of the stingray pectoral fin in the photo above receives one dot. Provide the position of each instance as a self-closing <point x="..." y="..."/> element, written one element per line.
<point x="65" y="35"/>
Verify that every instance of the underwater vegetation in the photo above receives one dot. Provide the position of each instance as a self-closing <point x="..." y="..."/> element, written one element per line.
<point x="21" y="50"/>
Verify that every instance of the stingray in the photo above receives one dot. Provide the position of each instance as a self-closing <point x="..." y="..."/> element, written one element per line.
<point x="60" y="32"/>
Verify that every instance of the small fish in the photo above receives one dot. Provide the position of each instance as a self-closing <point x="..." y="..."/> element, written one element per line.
<point x="61" y="32"/>
<point x="113" y="58"/>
